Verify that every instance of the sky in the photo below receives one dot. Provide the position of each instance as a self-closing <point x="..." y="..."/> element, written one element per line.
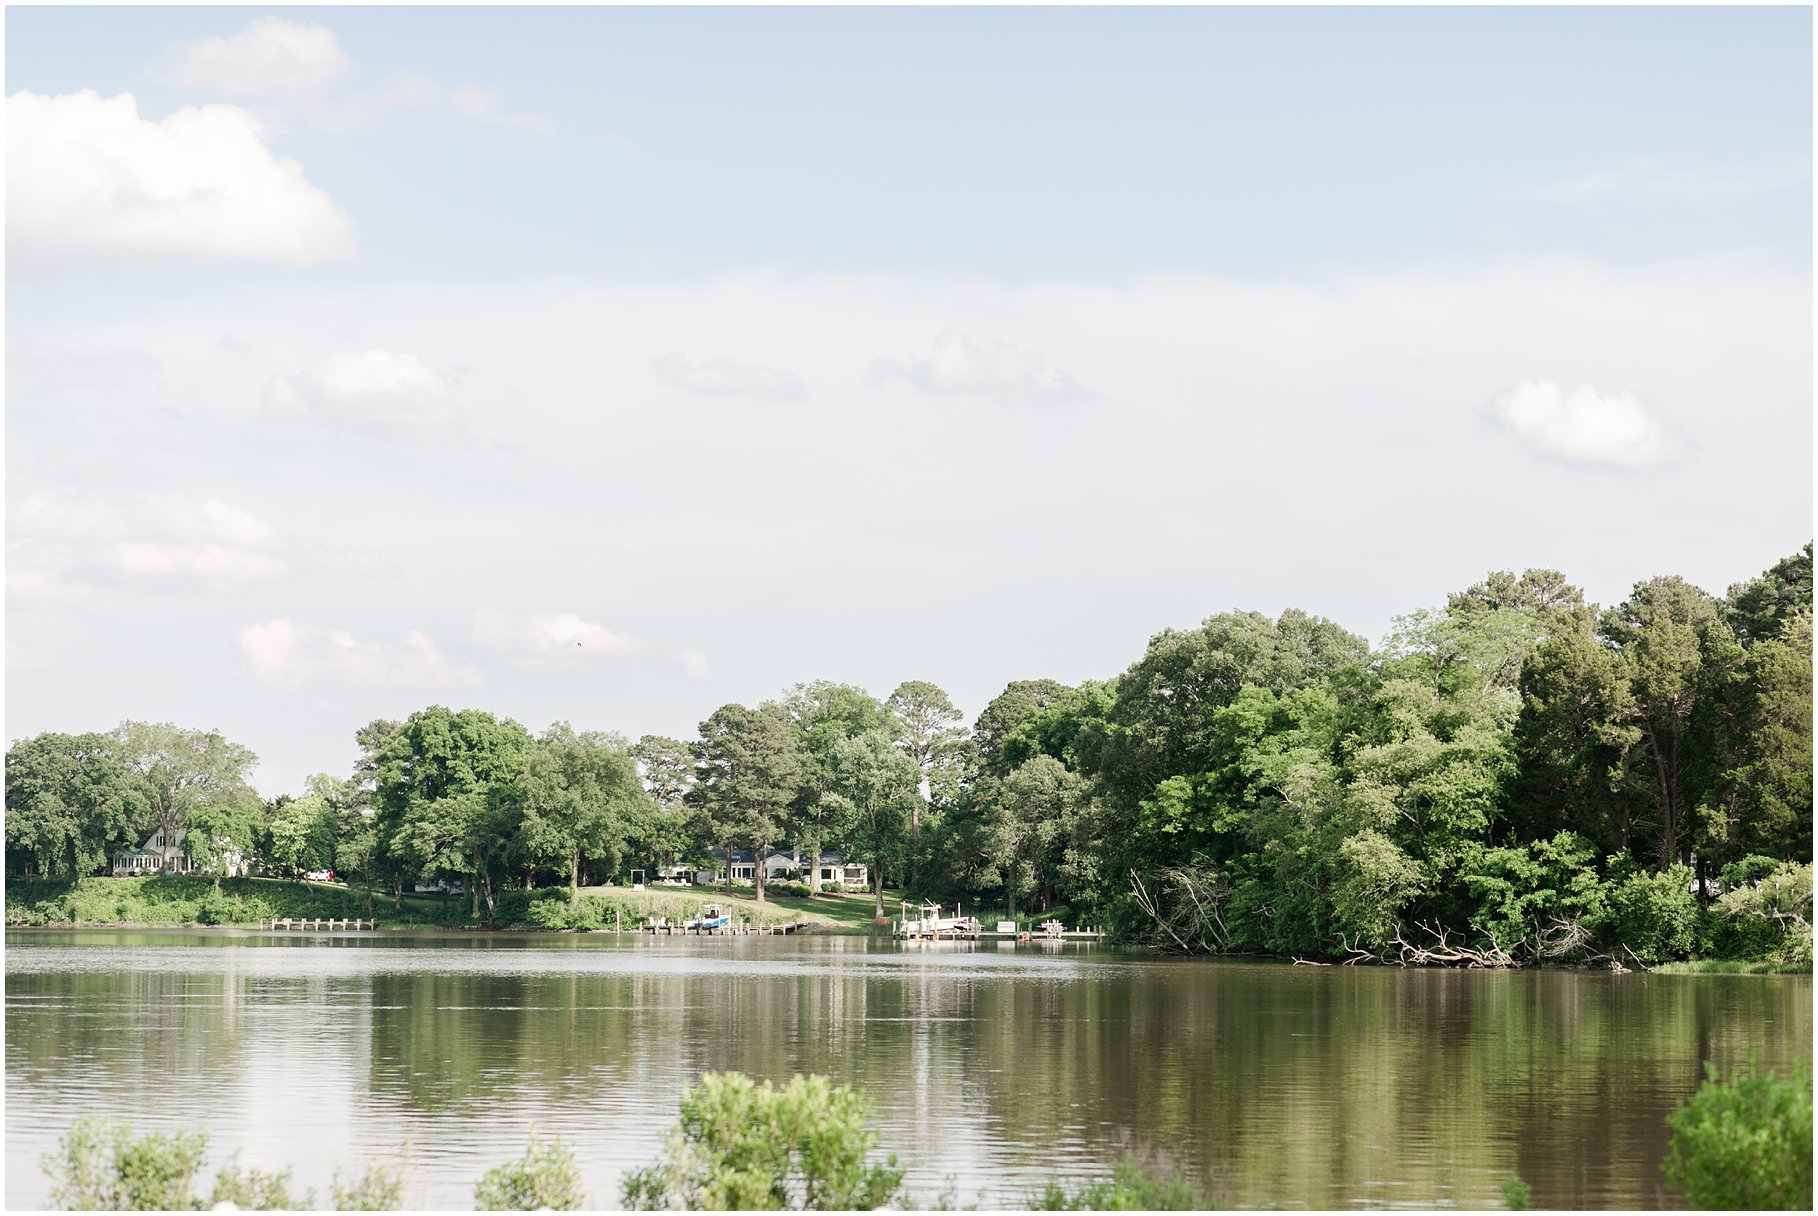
<point x="609" y="366"/>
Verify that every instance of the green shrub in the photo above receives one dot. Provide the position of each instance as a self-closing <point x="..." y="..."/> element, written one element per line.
<point x="1745" y="1144"/>
<point x="544" y="1177"/>
<point x="1129" y="1189"/>
<point x="745" y="1146"/>
<point x="1765" y="916"/>
<point x="101" y="1166"/>
<point x="1747" y="872"/>
<point x="1518" y="895"/>
<point x="1652" y="914"/>
<point x="379" y="1189"/>
<point x="255" y="1190"/>
<point x="1517" y="1196"/>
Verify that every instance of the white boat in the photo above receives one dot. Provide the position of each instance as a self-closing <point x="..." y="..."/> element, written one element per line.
<point x="928" y="922"/>
<point x="712" y="917"/>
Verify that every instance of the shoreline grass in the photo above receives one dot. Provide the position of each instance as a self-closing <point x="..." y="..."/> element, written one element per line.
<point x="1722" y="966"/>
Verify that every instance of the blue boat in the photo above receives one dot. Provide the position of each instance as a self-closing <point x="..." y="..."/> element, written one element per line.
<point x="712" y="917"/>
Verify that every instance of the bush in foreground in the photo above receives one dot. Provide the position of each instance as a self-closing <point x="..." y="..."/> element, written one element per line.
<point x="742" y="1145"/>
<point x="544" y="1177"/>
<point x="1745" y="1144"/>
<point x="1129" y="1189"/>
<point x="101" y="1166"/>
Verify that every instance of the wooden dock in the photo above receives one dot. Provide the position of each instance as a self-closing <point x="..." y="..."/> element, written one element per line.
<point x="928" y="925"/>
<point x="319" y="924"/>
<point x="732" y="930"/>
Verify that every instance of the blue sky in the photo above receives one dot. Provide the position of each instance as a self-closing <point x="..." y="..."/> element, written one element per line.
<point x="755" y="346"/>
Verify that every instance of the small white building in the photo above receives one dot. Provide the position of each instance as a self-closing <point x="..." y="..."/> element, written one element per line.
<point x="149" y="858"/>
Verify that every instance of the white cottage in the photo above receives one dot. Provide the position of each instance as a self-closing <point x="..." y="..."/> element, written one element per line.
<point x="149" y="858"/>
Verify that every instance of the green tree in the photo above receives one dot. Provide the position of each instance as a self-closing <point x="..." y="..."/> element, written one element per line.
<point x="1745" y="1144"/>
<point x="582" y="799"/>
<point x="184" y="771"/>
<point x="302" y="836"/>
<point x="667" y="766"/>
<point x="745" y="1146"/>
<point x="545" y="1177"/>
<point x="825" y="714"/>
<point x="448" y="796"/>
<point x="1027" y="812"/>
<point x="70" y="802"/>
<point x="932" y="733"/>
<point x="1757" y="744"/>
<point x="1674" y="644"/>
<point x="873" y="786"/>
<point x="1758" y="608"/>
<point x="1574" y="731"/>
<point x="224" y="835"/>
<point x="748" y="771"/>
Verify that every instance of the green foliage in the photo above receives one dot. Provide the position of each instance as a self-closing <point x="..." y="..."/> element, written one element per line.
<point x="1517" y="1196"/>
<point x="748" y="773"/>
<point x="70" y="801"/>
<point x="582" y="800"/>
<point x="1652" y="914"/>
<point x="1528" y="898"/>
<point x="551" y="911"/>
<point x="446" y="788"/>
<point x="302" y="836"/>
<point x="1129" y="1189"/>
<point x="378" y="1188"/>
<point x="256" y="1190"/>
<point x="1769" y="917"/>
<point x="745" y="1146"/>
<point x="219" y="908"/>
<point x="176" y="900"/>
<point x="101" y="1166"/>
<point x="546" y="1176"/>
<point x="1746" y="1143"/>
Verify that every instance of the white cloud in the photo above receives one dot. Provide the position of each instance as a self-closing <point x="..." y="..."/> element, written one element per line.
<point x="482" y="105"/>
<point x="960" y="366"/>
<point x="218" y="563"/>
<point x="1676" y="179"/>
<point x="58" y="544"/>
<point x="285" y="654"/>
<point x="694" y="662"/>
<point x="89" y="181"/>
<point x="1583" y="425"/>
<point x="552" y="633"/>
<point x="376" y="392"/>
<point x="271" y="59"/>
<point x="725" y="378"/>
<point x="300" y="71"/>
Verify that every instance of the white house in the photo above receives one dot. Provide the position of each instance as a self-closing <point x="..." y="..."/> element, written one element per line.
<point x="790" y="866"/>
<point x="149" y="858"/>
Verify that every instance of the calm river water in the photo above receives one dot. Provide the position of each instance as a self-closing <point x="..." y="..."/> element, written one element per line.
<point x="992" y="1069"/>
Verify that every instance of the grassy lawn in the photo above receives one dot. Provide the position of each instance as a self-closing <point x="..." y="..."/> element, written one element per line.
<point x="852" y="911"/>
<point x="834" y="912"/>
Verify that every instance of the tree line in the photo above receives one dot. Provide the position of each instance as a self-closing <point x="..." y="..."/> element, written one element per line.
<point x="1516" y="771"/>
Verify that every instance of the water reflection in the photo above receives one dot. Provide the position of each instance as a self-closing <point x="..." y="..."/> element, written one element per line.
<point x="993" y="1070"/>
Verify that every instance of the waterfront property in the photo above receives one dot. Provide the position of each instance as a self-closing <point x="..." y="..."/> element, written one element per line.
<point x="153" y="857"/>
<point x="791" y="865"/>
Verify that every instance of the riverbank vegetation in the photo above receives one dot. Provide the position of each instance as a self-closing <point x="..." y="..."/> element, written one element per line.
<point x="176" y="900"/>
<point x="740" y="1144"/>
<point x="1513" y="777"/>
